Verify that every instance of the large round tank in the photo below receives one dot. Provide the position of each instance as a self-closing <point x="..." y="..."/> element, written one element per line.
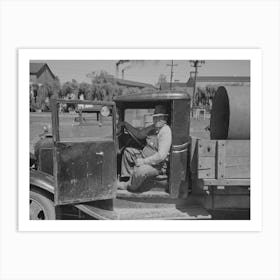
<point x="230" y="115"/>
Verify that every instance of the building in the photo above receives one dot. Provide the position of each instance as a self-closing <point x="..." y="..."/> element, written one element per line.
<point x="175" y="86"/>
<point x="203" y="81"/>
<point x="133" y="84"/>
<point x="130" y="85"/>
<point x="40" y="73"/>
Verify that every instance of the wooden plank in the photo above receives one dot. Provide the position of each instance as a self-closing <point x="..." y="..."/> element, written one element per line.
<point x="238" y="148"/>
<point x="207" y="148"/>
<point x="237" y="167"/>
<point x="233" y="147"/>
<point x="227" y="182"/>
<point x="220" y="159"/>
<point x="206" y="167"/>
<point x="231" y="190"/>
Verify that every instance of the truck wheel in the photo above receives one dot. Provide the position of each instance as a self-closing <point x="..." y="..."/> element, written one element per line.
<point x="40" y="207"/>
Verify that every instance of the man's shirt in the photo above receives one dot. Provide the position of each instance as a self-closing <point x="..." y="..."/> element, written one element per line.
<point x="158" y="146"/>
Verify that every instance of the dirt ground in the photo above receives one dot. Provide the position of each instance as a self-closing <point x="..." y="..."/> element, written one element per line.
<point x="39" y="120"/>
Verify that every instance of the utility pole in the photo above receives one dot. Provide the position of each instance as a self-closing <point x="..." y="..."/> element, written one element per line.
<point x="171" y="72"/>
<point x="195" y="64"/>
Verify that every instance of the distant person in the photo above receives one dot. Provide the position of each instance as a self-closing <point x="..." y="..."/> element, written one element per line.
<point x="210" y="103"/>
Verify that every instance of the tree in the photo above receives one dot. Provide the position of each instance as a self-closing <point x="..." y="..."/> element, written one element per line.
<point x="70" y="88"/>
<point x="104" y="86"/>
<point x="66" y="89"/>
<point x="56" y="87"/>
<point x="44" y="93"/>
<point x="85" y="89"/>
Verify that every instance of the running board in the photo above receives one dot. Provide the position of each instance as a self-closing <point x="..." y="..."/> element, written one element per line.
<point x="191" y="213"/>
<point x="196" y="213"/>
<point x="97" y="213"/>
<point x="148" y="194"/>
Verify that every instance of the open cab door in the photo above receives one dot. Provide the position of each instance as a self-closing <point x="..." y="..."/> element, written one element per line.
<point x="84" y="157"/>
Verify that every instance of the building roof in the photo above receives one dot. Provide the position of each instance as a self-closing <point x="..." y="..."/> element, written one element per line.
<point x="154" y="96"/>
<point x="129" y="83"/>
<point x="37" y="68"/>
<point x="166" y="85"/>
<point x="218" y="79"/>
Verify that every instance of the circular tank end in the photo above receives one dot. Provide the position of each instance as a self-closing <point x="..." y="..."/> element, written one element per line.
<point x="219" y="121"/>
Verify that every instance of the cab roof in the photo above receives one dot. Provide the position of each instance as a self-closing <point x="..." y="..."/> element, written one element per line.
<point x="153" y="96"/>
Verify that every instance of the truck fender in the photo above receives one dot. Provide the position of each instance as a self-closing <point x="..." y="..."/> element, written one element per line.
<point x="42" y="180"/>
<point x="45" y="182"/>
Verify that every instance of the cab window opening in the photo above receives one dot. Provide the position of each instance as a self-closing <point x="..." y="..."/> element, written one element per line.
<point x="141" y="117"/>
<point x="85" y="123"/>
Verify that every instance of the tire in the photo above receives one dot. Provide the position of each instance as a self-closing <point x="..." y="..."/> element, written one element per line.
<point x="40" y="207"/>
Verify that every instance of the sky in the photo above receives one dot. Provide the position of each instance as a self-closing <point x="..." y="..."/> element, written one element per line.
<point x="146" y="71"/>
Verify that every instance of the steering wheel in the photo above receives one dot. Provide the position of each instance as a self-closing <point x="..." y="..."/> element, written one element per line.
<point x="126" y="144"/>
<point x="134" y="138"/>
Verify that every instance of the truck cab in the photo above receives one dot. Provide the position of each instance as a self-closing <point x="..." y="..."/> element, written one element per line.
<point x="137" y="110"/>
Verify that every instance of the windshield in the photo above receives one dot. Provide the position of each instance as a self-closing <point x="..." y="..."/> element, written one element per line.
<point x="139" y="117"/>
<point x="83" y="122"/>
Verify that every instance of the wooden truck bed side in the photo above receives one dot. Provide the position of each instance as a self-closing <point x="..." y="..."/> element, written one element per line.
<point x="221" y="169"/>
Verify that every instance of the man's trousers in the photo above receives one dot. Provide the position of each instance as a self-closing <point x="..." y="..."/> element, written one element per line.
<point x="137" y="174"/>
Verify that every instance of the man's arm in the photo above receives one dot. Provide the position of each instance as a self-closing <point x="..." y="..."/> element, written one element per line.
<point x="164" y="144"/>
<point x="141" y="134"/>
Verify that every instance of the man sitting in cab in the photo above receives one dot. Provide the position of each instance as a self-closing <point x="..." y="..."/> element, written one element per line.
<point x="139" y="165"/>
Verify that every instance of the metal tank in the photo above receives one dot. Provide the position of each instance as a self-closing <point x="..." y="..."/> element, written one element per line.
<point x="230" y="115"/>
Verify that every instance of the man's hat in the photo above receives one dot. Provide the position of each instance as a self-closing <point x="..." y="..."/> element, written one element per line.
<point x="160" y="110"/>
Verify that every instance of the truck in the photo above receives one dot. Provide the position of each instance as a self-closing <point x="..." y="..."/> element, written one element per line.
<point x="75" y="169"/>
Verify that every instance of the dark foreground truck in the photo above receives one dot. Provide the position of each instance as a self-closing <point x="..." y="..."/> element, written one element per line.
<point x="74" y="171"/>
